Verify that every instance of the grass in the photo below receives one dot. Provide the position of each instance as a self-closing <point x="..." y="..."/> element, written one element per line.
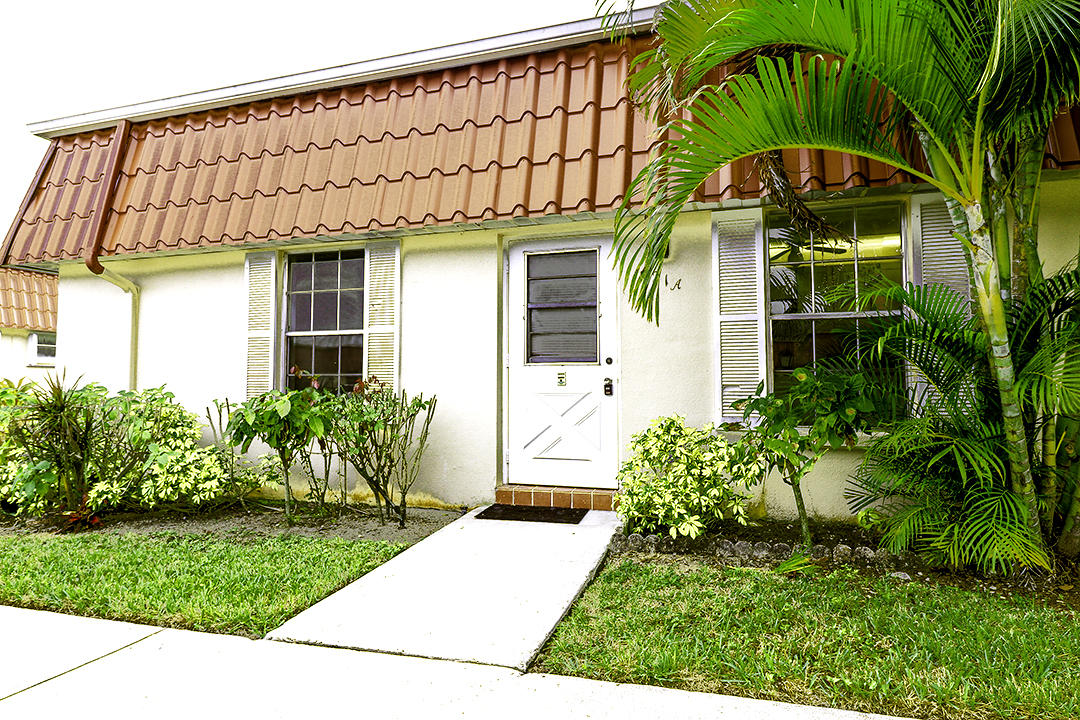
<point x="838" y="640"/>
<point x="240" y="584"/>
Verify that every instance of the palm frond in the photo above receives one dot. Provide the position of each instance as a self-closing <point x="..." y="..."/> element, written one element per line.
<point x="831" y="106"/>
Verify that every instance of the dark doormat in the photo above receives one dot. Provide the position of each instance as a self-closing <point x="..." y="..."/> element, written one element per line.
<point x="533" y="514"/>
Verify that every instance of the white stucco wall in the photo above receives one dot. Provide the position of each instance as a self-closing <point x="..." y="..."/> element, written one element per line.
<point x="192" y="327"/>
<point x="449" y="348"/>
<point x="15" y="360"/>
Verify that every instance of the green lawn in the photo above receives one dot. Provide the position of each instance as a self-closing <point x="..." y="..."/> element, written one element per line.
<point x="238" y="584"/>
<point x="837" y="640"/>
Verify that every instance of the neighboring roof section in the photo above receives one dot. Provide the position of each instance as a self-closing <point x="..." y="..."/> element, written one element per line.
<point x="541" y="134"/>
<point x="27" y="300"/>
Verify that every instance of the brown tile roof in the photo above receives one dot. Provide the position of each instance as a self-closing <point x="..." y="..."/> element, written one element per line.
<point x="541" y="134"/>
<point x="27" y="300"/>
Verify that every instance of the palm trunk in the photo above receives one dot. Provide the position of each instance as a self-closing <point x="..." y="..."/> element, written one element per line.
<point x="1027" y="266"/>
<point x="1069" y="468"/>
<point x="993" y="312"/>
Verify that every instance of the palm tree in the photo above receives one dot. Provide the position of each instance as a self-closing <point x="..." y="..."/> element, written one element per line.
<point x="976" y="81"/>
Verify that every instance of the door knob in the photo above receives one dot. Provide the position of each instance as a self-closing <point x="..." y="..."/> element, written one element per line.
<point x="609" y="387"/>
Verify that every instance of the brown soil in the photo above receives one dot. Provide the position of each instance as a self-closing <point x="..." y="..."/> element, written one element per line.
<point x="355" y="523"/>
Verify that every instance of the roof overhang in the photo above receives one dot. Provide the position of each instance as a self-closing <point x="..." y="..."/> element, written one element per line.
<point x="474" y="51"/>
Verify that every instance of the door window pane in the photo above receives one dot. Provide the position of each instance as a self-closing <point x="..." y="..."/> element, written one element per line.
<point x="561" y="323"/>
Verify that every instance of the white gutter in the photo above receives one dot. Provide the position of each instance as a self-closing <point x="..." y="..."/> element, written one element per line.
<point x="136" y="296"/>
<point x="493" y="48"/>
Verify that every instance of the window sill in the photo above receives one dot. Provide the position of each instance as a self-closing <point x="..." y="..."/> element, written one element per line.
<point x="862" y="439"/>
<point x="41" y="364"/>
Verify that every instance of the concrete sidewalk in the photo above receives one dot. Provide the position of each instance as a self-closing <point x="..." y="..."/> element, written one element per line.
<point x="483" y="591"/>
<point x="101" y="669"/>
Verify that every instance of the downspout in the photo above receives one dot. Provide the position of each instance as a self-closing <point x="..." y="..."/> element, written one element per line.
<point x="131" y="288"/>
<point x="119" y="142"/>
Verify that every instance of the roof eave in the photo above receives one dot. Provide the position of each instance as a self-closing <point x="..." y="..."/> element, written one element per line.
<point x="494" y="48"/>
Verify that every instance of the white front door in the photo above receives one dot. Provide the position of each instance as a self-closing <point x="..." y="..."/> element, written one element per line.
<point x="564" y="365"/>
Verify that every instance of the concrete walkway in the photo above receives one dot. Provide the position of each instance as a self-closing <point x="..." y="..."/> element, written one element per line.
<point x="482" y="591"/>
<point x="56" y="666"/>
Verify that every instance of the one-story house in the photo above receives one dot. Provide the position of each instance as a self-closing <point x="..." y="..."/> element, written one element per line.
<point x="27" y="324"/>
<point x="442" y="219"/>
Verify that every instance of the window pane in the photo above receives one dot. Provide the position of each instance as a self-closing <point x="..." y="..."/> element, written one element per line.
<point x="792" y="342"/>
<point x="579" y="290"/>
<point x="834" y="338"/>
<point x="300" y="311"/>
<point x="565" y="264"/>
<point x="352" y="269"/>
<point x="326" y="271"/>
<point x="324" y="311"/>
<point x="830" y="276"/>
<point x="789" y="290"/>
<point x="836" y="248"/>
<point x="879" y="231"/>
<point x="326" y="355"/>
<point x="871" y="273"/>
<point x="786" y="244"/>
<point x="300" y="272"/>
<point x="562" y="320"/>
<point x="563" y="347"/>
<point x="352" y="354"/>
<point x="352" y="310"/>
<point x="300" y="354"/>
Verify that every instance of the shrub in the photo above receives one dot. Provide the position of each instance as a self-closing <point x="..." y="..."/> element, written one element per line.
<point x="381" y="434"/>
<point x="286" y="421"/>
<point x="681" y="479"/>
<point x="78" y="451"/>
<point x="178" y="470"/>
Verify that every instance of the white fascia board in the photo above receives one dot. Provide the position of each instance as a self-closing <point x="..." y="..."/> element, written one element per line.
<point x="466" y="53"/>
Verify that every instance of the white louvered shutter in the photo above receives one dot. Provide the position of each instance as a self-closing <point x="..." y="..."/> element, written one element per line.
<point x="260" y="270"/>
<point x="740" y="344"/>
<point x="383" y="274"/>
<point x="941" y="255"/>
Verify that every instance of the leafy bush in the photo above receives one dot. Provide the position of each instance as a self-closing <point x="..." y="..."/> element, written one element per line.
<point x="78" y="451"/>
<point x="381" y="434"/>
<point x="178" y="469"/>
<point x="789" y="433"/>
<point x="286" y="421"/>
<point x="682" y="480"/>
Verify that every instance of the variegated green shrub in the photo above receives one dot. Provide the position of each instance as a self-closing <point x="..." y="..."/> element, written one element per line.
<point x="682" y="480"/>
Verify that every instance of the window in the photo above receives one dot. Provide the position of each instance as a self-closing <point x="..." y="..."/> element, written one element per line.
<point x="42" y="348"/>
<point x="561" y="307"/>
<point x="324" y="328"/>
<point x="806" y="325"/>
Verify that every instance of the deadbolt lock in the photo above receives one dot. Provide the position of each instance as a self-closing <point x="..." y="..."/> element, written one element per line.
<point x="560" y="380"/>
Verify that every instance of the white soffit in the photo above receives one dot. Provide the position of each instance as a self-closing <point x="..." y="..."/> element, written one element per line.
<point x="474" y="51"/>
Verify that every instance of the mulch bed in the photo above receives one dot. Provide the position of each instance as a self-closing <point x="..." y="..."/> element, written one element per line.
<point x="766" y="543"/>
<point x="354" y="523"/>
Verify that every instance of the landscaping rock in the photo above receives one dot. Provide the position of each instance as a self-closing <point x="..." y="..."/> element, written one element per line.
<point x="781" y="551"/>
<point x="841" y="553"/>
<point x="618" y="543"/>
<point x="652" y="544"/>
<point x="864" y="554"/>
<point x="667" y="544"/>
<point x="743" y="549"/>
<point x="635" y="542"/>
<point x="725" y="549"/>
<point x="762" y="551"/>
<point x="819" y="551"/>
<point x="902" y="576"/>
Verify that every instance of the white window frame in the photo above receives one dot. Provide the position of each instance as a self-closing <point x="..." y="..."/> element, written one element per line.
<point x="283" y="294"/>
<point x="33" y="358"/>
<point x="907" y="254"/>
